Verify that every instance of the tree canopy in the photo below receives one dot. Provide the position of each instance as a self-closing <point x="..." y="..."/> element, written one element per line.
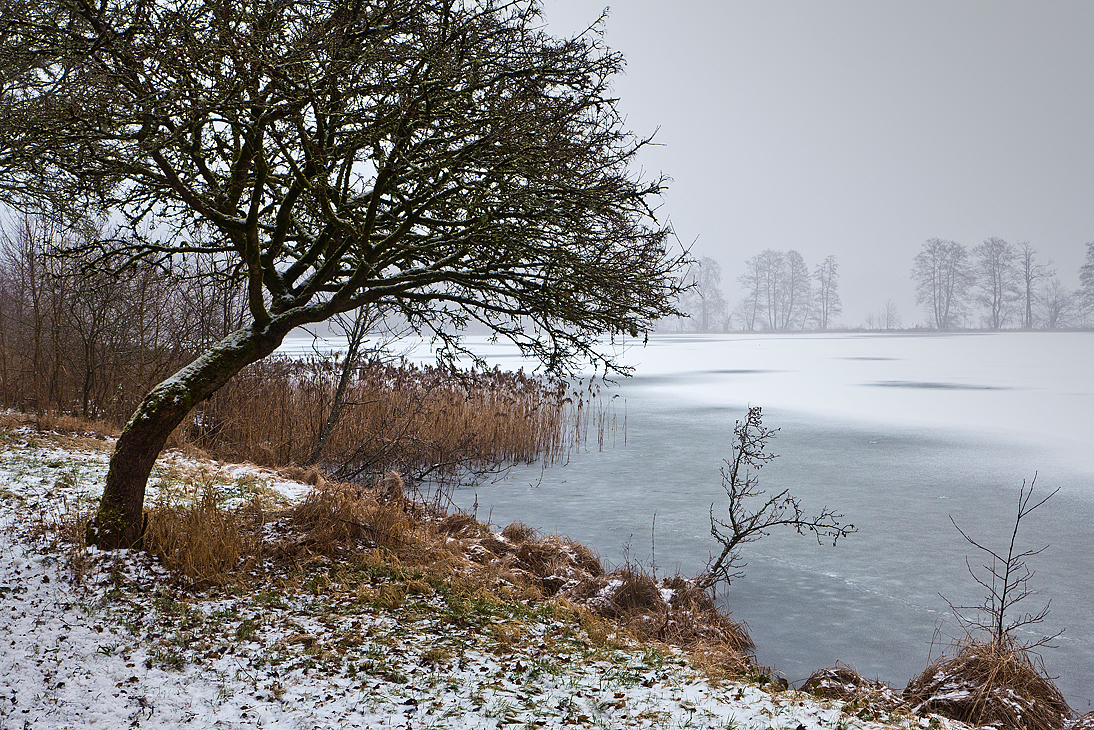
<point x="447" y="159"/>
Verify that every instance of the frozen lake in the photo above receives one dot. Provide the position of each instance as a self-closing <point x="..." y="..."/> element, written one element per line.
<point x="899" y="432"/>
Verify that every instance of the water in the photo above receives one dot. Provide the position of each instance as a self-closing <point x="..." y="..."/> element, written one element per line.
<point x="898" y="432"/>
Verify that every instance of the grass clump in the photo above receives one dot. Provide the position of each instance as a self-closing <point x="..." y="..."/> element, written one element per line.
<point x="989" y="684"/>
<point x="337" y="519"/>
<point x="202" y="542"/>
<point x="864" y="698"/>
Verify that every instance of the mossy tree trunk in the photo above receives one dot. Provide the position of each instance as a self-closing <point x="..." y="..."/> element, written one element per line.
<point x="119" y="522"/>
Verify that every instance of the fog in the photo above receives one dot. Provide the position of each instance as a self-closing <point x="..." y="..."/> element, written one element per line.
<point x="860" y="129"/>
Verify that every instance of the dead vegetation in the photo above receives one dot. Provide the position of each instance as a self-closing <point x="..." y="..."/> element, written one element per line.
<point x="63" y="429"/>
<point x="204" y="542"/>
<point x="985" y="684"/>
<point x="431" y="424"/>
<point x="1082" y="722"/>
<point x="201" y="542"/>
<point x="845" y="684"/>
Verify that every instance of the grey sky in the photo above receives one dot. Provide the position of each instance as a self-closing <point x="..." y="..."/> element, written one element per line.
<point x="861" y="128"/>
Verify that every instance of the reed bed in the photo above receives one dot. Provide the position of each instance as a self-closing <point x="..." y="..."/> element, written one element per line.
<point x="428" y="423"/>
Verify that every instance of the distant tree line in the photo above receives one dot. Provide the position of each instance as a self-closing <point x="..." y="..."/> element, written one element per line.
<point x="995" y="285"/>
<point x="999" y="285"/>
<point x="780" y="295"/>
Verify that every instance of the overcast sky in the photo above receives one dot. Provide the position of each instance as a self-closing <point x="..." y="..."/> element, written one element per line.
<point x="861" y="128"/>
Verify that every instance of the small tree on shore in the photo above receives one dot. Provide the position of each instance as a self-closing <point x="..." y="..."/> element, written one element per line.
<point x="447" y="160"/>
<point x="746" y="522"/>
<point x="1006" y="579"/>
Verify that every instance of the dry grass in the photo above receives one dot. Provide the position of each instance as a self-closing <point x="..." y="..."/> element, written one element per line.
<point x="1082" y="722"/>
<point x="380" y="531"/>
<point x="65" y="529"/>
<point x="77" y="425"/>
<point x="343" y="519"/>
<point x="68" y="430"/>
<point x="986" y="685"/>
<point x="675" y="611"/>
<point x="203" y="542"/>
<point x="518" y="532"/>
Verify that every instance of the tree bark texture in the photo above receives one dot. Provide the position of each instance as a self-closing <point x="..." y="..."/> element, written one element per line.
<point x="119" y="522"/>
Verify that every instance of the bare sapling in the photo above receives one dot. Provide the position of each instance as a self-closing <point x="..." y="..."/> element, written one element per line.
<point x="1006" y="580"/>
<point x="994" y="679"/>
<point x="744" y="523"/>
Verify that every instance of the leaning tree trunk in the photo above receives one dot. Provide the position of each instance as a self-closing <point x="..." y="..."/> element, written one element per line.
<point x="119" y="522"/>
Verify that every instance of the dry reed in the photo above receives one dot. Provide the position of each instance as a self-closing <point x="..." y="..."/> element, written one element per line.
<point x="428" y="423"/>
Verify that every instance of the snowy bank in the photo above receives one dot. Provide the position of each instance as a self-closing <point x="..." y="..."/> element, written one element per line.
<point x="94" y="639"/>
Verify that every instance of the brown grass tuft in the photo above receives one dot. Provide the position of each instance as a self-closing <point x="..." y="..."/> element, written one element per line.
<point x="304" y="475"/>
<point x="77" y="425"/>
<point x="675" y="611"/>
<point x="462" y="525"/>
<point x="337" y="519"/>
<point x="392" y="488"/>
<point x="202" y="541"/>
<point x="986" y="685"/>
<point x="518" y="532"/>
<point x="584" y="558"/>
<point x="1082" y="722"/>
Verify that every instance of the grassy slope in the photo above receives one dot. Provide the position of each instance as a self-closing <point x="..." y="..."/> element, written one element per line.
<point x="117" y="639"/>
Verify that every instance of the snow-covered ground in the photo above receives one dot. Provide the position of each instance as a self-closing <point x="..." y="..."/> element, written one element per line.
<point x="111" y="641"/>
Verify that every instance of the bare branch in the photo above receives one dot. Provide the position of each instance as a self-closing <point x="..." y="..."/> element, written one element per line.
<point x="744" y="524"/>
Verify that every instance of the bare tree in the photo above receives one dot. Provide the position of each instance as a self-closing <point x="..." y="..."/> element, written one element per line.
<point x="828" y="303"/>
<point x="997" y="278"/>
<point x="771" y="267"/>
<point x="712" y="306"/>
<point x="750" y="309"/>
<point x="779" y="290"/>
<point x="1029" y="273"/>
<point x="1057" y="302"/>
<point x="745" y="522"/>
<point x="942" y="276"/>
<point x="1006" y="580"/>
<point x="795" y="292"/>
<point x="1086" y="281"/>
<point x="447" y="159"/>
<point x="703" y="301"/>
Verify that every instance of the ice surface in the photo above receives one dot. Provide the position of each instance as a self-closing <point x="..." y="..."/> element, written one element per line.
<point x="898" y="431"/>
